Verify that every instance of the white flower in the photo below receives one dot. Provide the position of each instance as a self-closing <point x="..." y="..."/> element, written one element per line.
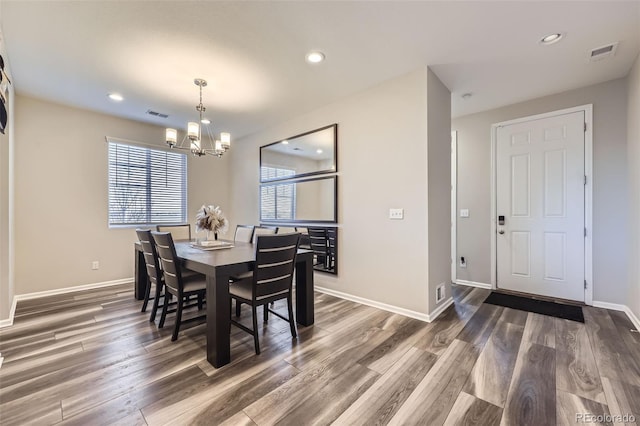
<point x="211" y="218"/>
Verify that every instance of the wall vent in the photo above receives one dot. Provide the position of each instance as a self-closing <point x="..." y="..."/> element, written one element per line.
<point x="157" y="114"/>
<point x="603" y="52"/>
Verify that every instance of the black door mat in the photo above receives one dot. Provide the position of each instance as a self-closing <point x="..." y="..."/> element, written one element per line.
<point x="558" y="310"/>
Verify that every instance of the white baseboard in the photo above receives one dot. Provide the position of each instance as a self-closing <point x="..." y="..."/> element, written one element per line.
<point x="616" y="307"/>
<point x="474" y="284"/>
<point x="440" y="309"/>
<point x="38" y="294"/>
<point x="385" y="307"/>
<point x="389" y="308"/>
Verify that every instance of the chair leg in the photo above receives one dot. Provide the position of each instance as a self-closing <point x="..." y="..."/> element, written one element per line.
<point x="199" y="301"/>
<point x="156" y="302"/>
<point x="176" y="329"/>
<point x="238" y="307"/>
<point x="255" y="329"/>
<point x="265" y="313"/>
<point x="230" y="303"/>
<point x="292" y="320"/>
<point x="165" y="307"/>
<point x="147" y="292"/>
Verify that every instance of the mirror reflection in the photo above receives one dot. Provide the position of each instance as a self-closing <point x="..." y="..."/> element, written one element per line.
<point x="303" y="155"/>
<point x="312" y="200"/>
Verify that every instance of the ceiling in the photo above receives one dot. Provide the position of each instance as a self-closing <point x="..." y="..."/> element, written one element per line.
<point x="252" y="53"/>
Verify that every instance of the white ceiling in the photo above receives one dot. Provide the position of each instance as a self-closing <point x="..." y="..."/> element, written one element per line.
<point x="252" y="53"/>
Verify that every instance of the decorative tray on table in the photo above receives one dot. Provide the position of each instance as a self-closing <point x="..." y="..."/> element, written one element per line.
<point x="211" y="245"/>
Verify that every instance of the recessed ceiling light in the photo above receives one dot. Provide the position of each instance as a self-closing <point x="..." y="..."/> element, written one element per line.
<point x="466" y="96"/>
<point x="319" y="151"/>
<point x="116" y="97"/>
<point x="551" y="38"/>
<point x="285" y="142"/>
<point x="315" y="57"/>
<point x="205" y="121"/>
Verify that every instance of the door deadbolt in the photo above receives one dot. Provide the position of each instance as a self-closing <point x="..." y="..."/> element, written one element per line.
<point x="501" y="220"/>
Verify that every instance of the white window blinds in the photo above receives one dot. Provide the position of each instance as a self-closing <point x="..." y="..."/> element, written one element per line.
<point x="277" y="201"/>
<point x="146" y="186"/>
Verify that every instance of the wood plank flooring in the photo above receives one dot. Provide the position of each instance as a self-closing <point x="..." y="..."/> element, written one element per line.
<point x="93" y="358"/>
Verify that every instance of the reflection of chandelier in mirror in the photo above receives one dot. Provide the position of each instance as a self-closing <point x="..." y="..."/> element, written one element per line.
<point x="197" y="143"/>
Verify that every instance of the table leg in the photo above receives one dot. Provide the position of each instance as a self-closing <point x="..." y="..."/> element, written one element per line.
<point x="304" y="289"/>
<point x="218" y="318"/>
<point x="140" y="278"/>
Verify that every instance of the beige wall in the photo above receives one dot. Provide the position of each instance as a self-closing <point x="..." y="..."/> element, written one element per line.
<point x="439" y="187"/>
<point x="609" y="184"/>
<point x="633" y="158"/>
<point x="382" y="154"/>
<point x="6" y="201"/>
<point x="61" y="222"/>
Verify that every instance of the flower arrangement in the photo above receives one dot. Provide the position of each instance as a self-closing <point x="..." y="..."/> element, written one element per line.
<point x="211" y="219"/>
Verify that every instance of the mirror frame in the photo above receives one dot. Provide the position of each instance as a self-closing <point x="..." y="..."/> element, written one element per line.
<point x="289" y="182"/>
<point x="318" y="172"/>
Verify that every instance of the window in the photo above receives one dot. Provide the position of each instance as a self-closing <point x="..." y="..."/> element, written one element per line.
<point x="146" y="186"/>
<point x="278" y="199"/>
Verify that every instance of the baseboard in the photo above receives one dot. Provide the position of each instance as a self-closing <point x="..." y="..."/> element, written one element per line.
<point x="385" y="307"/>
<point x="474" y="284"/>
<point x="623" y="308"/>
<point x="440" y="309"/>
<point x="39" y="294"/>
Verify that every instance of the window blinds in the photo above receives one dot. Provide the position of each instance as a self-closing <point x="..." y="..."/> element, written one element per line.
<point x="146" y="186"/>
<point x="277" y="202"/>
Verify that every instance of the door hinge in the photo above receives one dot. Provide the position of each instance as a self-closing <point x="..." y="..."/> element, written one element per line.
<point x="585" y="284"/>
<point x="585" y="180"/>
<point x="585" y="126"/>
<point x="585" y="232"/>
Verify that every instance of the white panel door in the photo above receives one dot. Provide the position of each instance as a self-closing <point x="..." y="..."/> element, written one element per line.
<point x="540" y="196"/>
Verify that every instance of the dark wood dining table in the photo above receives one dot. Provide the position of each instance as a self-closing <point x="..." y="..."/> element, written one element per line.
<point x="218" y="265"/>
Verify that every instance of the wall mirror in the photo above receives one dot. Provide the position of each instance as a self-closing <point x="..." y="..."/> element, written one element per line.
<point x="307" y="154"/>
<point x="309" y="200"/>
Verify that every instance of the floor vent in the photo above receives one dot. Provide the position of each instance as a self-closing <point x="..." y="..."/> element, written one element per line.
<point x="157" y="114"/>
<point x="603" y="52"/>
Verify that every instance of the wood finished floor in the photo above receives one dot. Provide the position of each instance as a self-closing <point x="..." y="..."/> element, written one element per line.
<point x="92" y="358"/>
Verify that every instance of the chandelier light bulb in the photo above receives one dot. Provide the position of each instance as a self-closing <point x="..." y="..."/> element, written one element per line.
<point x="225" y="140"/>
<point x="193" y="130"/>
<point x="171" y="136"/>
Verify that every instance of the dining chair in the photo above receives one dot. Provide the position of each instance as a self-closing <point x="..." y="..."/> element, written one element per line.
<point x="319" y="242"/>
<point x="175" y="282"/>
<point x="304" y="237"/>
<point x="285" y="230"/>
<point x="270" y="281"/>
<point x="154" y="272"/>
<point x="244" y="233"/>
<point x="263" y="230"/>
<point x="178" y="232"/>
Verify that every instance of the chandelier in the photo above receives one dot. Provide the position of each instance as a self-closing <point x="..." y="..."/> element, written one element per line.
<point x="194" y="140"/>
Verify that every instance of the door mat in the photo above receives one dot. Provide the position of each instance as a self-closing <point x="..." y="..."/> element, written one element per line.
<point x="543" y="307"/>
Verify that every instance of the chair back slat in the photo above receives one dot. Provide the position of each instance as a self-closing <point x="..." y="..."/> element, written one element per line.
<point x="318" y="240"/>
<point x="169" y="260"/>
<point x="244" y="233"/>
<point x="275" y="261"/>
<point x="178" y="232"/>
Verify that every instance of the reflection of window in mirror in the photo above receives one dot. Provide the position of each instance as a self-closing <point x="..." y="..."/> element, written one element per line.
<point x="277" y="202"/>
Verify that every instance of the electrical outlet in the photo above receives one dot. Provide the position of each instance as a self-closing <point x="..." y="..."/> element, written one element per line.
<point x="95" y="265"/>
<point x="440" y="293"/>
<point x="463" y="262"/>
<point x="396" y="213"/>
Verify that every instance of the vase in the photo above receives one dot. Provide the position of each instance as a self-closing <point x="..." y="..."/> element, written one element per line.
<point x="215" y="235"/>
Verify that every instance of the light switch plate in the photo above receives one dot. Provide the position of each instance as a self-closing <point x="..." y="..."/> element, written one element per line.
<point x="464" y="212"/>
<point x="396" y="214"/>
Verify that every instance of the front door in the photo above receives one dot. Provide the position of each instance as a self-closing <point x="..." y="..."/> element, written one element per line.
<point x="540" y="206"/>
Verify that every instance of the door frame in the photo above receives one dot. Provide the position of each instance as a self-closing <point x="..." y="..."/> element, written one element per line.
<point x="454" y="206"/>
<point x="588" y="192"/>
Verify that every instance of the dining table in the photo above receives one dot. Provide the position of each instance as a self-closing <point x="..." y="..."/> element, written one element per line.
<point x="218" y="266"/>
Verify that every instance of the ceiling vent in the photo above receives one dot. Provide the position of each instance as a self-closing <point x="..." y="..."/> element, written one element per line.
<point x="157" y="114"/>
<point x="600" y="53"/>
